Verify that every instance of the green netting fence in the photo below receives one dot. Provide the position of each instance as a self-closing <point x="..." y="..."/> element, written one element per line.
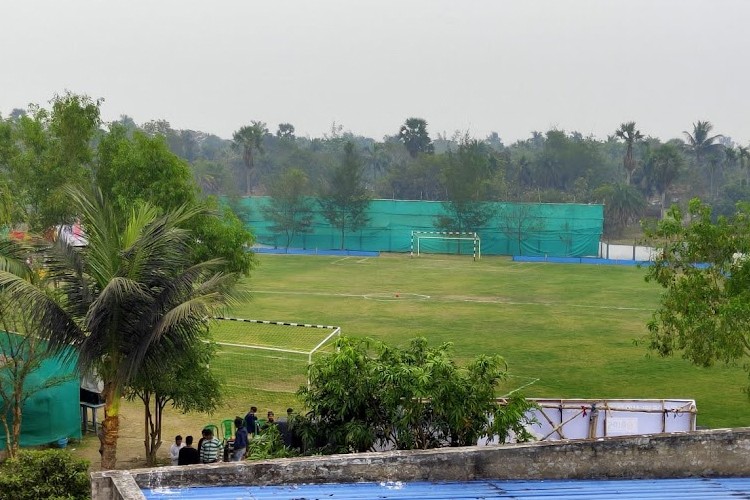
<point x="52" y="413"/>
<point x="533" y="229"/>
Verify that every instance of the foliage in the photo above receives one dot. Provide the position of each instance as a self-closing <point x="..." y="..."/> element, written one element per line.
<point x="247" y="140"/>
<point x="413" y="133"/>
<point x="289" y="210"/>
<point x="344" y="202"/>
<point x="517" y="223"/>
<point x="20" y="354"/>
<point x="137" y="169"/>
<point x="368" y="394"/>
<point x="48" y="150"/>
<point x="630" y="135"/>
<point x="662" y="167"/>
<point x="131" y="288"/>
<point x="49" y="474"/>
<point x="268" y="444"/>
<point x="704" y="312"/>
<point x="467" y="183"/>
<point x="623" y="204"/>
<point x="186" y="382"/>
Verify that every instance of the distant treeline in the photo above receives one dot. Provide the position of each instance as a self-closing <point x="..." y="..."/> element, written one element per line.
<point x="633" y="174"/>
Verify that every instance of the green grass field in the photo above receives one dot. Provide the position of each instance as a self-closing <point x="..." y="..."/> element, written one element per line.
<point x="572" y="327"/>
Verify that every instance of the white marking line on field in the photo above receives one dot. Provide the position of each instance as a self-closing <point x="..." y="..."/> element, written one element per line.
<point x="342" y="259"/>
<point x="479" y="301"/>
<point x="554" y="304"/>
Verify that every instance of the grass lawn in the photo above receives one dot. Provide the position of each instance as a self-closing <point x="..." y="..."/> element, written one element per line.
<point x="571" y="326"/>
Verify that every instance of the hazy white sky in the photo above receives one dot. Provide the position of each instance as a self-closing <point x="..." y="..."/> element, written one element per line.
<point x="508" y="66"/>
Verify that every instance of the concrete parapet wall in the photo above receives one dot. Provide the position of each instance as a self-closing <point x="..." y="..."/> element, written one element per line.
<point x="724" y="452"/>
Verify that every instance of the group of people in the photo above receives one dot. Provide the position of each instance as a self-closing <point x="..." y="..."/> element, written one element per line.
<point x="210" y="447"/>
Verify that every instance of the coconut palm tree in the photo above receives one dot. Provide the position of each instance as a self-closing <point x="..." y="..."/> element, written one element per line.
<point x="247" y="140"/>
<point x="702" y="145"/>
<point x="132" y="287"/>
<point x="630" y="135"/>
<point x="662" y="168"/>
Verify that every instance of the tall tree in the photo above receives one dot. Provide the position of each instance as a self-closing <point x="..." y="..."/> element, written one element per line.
<point x="188" y="384"/>
<point x="467" y="182"/>
<point x="290" y="209"/>
<point x="285" y="131"/>
<point x="133" y="287"/>
<point x="704" y="313"/>
<point x="247" y="140"/>
<point x="631" y="136"/>
<point x="662" y="167"/>
<point x="623" y="205"/>
<point x="703" y="145"/>
<point x="345" y="200"/>
<point x="518" y="222"/>
<point x="413" y="133"/>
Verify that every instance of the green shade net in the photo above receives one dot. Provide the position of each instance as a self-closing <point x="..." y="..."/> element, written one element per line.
<point x="533" y="229"/>
<point x="51" y="413"/>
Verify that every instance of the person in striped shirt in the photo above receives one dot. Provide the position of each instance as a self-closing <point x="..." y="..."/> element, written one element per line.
<point x="209" y="449"/>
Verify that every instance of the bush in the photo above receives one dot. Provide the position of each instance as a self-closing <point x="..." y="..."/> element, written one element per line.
<point x="49" y="474"/>
<point x="368" y="395"/>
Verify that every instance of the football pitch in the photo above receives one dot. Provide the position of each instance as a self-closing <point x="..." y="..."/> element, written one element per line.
<point x="565" y="330"/>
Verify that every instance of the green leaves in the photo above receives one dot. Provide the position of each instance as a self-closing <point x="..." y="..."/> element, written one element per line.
<point x="370" y="394"/>
<point x="705" y="311"/>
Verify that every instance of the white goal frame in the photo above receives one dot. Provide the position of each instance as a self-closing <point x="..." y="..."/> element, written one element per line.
<point x="417" y="236"/>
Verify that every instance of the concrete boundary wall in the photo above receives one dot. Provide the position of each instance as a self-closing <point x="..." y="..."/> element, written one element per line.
<point x="712" y="453"/>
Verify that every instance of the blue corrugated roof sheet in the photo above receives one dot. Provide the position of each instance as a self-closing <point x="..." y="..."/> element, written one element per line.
<point x="698" y="488"/>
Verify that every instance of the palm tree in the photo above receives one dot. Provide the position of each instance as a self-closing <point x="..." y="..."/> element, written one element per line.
<point x="662" y="168"/>
<point x="743" y="158"/>
<point x="701" y="144"/>
<point x="130" y="289"/>
<point x="246" y="140"/>
<point x="630" y="135"/>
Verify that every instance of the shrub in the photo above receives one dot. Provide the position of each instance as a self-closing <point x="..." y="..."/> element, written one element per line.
<point x="49" y="474"/>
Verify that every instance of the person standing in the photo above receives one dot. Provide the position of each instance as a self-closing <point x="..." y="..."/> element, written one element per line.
<point x="209" y="450"/>
<point x="251" y="420"/>
<point x="174" y="450"/>
<point x="240" y="440"/>
<point x="188" y="454"/>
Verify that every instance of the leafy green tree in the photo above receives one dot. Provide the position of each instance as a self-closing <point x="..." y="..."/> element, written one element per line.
<point x="131" y="289"/>
<point x="466" y="179"/>
<point x="285" y="131"/>
<point x="187" y="383"/>
<point x="623" y="205"/>
<point x="518" y="222"/>
<point x="247" y="140"/>
<point x="21" y="354"/>
<point x="51" y="149"/>
<point x="631" y="136"/>
<point x="704" y="147"/>
<point x="345" y="200"/>
<point x="704" y="313"/>
<point x="413" y="133"/>
<point x="662" y="167"/>
<point x="290" y="209"/>
<point x="49" y="474"/>
<point x="368" y="394"/>
<point x="132" y="169"/>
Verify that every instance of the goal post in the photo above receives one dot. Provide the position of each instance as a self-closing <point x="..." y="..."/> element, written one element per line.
<point x="420" y="239"/>
<point x="267" y="355"/>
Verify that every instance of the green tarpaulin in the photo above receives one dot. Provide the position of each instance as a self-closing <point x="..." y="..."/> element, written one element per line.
<point x="534" y="229"/>
<point x="49" y="414"/>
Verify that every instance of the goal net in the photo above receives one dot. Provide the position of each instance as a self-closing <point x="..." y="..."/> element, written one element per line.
<point x="459" y="243"/>
<point x="267" y="355"/>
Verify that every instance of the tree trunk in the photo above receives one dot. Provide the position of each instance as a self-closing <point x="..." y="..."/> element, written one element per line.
<point x="110" y="426"/>
<point x="8" y="438"/>
<point x="663" y="202"/>
<point x="17" y="416"/>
